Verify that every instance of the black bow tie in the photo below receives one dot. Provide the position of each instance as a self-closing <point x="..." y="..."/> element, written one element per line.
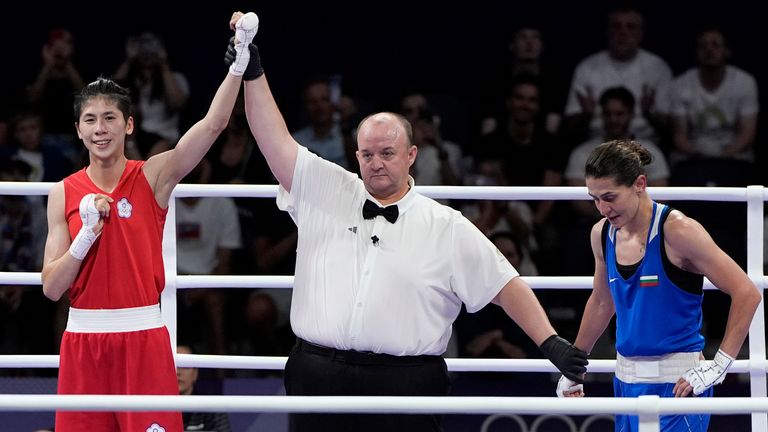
<point x="371" y="210"/>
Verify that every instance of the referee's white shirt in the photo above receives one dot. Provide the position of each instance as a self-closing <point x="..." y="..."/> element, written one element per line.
<point x="399" y="296"/>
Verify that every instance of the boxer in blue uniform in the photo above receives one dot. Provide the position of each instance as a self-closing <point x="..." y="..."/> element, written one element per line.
<point x="650" y="263"/>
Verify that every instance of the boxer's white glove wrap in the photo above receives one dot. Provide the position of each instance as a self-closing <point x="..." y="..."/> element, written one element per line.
<point x="245" y="29"/>
<point x="708" y="373"/>
<point x="84" y="239"/>
<point x="564" y="385"/>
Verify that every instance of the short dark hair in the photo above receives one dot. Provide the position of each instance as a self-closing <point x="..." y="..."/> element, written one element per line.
<point x="524" y="78"/>
<point x="621" y="94"/>
<point x="106" y="88"/>
<point x="623" y="160"/>
<point x="24" y="116"/>
<point x="711" y="28"/>
<point x="625" y="6"/>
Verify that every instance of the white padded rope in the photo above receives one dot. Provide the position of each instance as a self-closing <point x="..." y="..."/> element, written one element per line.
<point x="385" y="404"/>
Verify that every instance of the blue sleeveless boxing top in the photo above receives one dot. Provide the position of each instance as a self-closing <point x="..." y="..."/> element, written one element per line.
<point x="658" y="306"/>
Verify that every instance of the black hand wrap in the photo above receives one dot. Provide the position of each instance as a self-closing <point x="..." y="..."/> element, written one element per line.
<point x="570" y="360"/>
<point x="254" y="69"/>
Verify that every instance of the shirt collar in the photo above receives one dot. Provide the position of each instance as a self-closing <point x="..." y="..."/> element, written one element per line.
<point x="404" y="203"/>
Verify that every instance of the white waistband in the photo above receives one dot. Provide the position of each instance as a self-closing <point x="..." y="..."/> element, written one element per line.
<point x="114" y="320"/>
<point x="655" y="369"/>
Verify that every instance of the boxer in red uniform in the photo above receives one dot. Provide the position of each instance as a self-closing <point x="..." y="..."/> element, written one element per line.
<point x="104" y="246"/>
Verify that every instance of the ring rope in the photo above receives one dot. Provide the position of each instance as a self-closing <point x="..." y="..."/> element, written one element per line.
<point x="642" y="405"/>
<point x="529" y="193"/>
<point x="647" y="407"/>
<point x="241" y="281"/>
<point x="278" y="363"/>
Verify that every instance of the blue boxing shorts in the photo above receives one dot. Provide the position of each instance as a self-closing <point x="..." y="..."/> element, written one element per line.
<point x="669" y="423"/>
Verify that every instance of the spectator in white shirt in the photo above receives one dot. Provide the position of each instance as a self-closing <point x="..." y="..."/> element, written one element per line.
<point x="623" y="63"/>
<point x="715" y="105"/>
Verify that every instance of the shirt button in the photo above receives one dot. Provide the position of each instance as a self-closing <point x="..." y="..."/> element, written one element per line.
<point x="359" y="305"/>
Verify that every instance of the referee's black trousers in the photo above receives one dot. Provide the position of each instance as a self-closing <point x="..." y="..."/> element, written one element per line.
<point x="312" y="370"/>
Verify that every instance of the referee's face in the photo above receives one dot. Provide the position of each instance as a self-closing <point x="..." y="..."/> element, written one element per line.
<point x="385" y="157"/>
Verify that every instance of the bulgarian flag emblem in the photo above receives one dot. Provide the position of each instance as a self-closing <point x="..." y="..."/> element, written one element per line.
<point x="649" y="281"/>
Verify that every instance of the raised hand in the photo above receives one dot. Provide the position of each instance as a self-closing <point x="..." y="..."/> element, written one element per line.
<point x="587" y="100"/>
<point x="246" y="27"/>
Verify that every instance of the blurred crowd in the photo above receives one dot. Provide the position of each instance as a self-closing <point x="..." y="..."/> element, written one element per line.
<point x="529" y="124"/>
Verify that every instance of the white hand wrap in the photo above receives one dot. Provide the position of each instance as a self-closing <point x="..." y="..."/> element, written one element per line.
<point x="564" y="385"/>
<point x="245" y="30"/>
<point x="708" y="373"/>
<point x="89" y="215"/>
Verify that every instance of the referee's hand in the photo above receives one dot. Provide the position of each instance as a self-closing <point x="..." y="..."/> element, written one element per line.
<point x="571" y="361"/>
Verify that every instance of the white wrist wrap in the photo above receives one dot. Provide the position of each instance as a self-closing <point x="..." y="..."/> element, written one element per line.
<point x="245" y="30"/>
<point x="709" y="373"/>
<point x="82" y="243"/>
<point x="89" y="215"/>
<point x="564" y="385"/>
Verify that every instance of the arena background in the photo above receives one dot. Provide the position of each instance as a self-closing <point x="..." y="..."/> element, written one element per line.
<point x="380" y="49"/>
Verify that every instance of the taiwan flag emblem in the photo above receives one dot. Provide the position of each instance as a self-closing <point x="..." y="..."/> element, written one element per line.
<point x="649" y="281"/>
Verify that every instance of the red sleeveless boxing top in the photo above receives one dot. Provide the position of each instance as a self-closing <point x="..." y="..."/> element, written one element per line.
<point x="124" y="267"/>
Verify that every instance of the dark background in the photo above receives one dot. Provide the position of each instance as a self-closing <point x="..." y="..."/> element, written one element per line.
<point x="381" y="48"/>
